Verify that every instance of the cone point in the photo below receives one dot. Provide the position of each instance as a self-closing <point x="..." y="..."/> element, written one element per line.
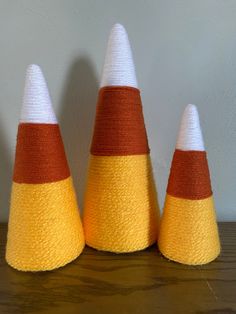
<point x="118" y="27"/>
<point x="34" y="68"/>
<point x="37" y="107"/>
<point x="190" y="134"/>
<point x="118" y="68"/>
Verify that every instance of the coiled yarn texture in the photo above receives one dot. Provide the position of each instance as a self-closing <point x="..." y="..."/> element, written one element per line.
<point x="121" y="205"/>
<point x="121" y="212"/>
<point x="45" y="231"/>
<point x="189" y="232"/>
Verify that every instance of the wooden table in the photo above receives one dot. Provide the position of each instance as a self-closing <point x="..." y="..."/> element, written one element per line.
<point x="143" y="282"/>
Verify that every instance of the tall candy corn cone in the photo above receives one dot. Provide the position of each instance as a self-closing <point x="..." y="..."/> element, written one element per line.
<point x="45" y="231"/>
<point x="121" y="209"/>
<point x="189" y="232"/>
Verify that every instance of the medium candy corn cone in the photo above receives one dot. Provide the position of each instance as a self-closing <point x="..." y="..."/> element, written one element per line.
<point x="121" y="209"/>
<point x="189" y="232"/>
<point x="45" y="230"/>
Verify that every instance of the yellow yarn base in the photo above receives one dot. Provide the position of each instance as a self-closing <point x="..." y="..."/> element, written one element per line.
<point x="45" y="230"/>
<point x="189" y="232"/>
<point x="121" y="211"/>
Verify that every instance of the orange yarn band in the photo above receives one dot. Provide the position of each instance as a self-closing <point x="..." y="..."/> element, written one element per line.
<point x="40" y="155"/>
<point x="119" y="126"/>
<point x="189" y="175"/>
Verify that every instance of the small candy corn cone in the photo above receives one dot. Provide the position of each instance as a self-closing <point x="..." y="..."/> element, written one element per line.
<point x="45" y="231"/>
<point x="121" y="209"/>
<point x="189" y="232"/>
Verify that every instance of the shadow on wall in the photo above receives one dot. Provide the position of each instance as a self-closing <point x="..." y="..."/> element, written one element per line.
<point x="76" y="117"/>
<point x="5" y="176"/>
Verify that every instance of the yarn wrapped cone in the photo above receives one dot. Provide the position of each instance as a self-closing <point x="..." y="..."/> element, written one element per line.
<point x="121" y="211"/>
<point x="45" y="230"/>
<point x="189" y="232"/>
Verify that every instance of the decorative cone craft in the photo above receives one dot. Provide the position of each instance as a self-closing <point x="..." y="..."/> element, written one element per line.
<point x="45" y="231"/>
<point x="121" y="209"/>
<point x="189" y="232"/>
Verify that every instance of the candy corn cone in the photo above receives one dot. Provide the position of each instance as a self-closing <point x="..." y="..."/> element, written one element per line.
<point x="121" y="210"/>
<point x="45" y="231"/>
<point x="189" y="232"/>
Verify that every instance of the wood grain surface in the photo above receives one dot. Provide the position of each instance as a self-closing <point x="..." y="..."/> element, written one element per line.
<point x="142" y="282"/>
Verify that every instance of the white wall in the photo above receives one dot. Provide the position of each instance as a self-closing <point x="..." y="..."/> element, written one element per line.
<point x="185" y="52"/>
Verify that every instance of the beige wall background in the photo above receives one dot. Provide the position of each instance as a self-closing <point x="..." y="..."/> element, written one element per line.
<point x="185" y="52"/>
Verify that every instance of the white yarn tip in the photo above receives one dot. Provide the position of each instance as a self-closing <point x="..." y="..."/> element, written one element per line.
<point x="190" y="134"/>
<point x="119" y="67"/>
<point x="37" y="106"/>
